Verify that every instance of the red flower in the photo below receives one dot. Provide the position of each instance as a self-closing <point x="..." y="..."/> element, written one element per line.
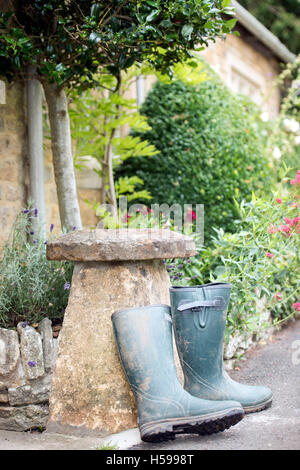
<point x="190" y="216"/>
<point x="279" y="200"/>
<point x="278" y="296"/>
<point x="269" y="255"/>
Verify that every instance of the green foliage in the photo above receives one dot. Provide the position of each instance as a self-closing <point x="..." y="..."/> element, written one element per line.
<point x="69" y="40"/>
<point x="282" y="17"/>
<point x="212" y="149"/>
<point x="96" y="119"/>
<point x="31" y="287"/>
<point x="260" y="260"/>
<point x="96" y="114"/>
<point x="125" y="186"/>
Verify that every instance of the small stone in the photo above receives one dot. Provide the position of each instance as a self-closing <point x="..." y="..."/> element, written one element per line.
<point x="9" y="351"/>
<point x="31" y="352"/>
<point x="15" y="379"/>
<point x="233" y="345"/>
<point x="4" y="396"/>
<point x="229" y="364"/>
<point x="23" y="418"/>
<point x="37" y="392"/>
<point x="45" y="328"/>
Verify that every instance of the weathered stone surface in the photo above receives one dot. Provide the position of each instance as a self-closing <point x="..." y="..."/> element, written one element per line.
<point x="55" y="350"/>
<point x="45" y="329"/>
<point x="11" y="371"/>
<point x="15" y="379"/>
<point x="120" y="245"/>
<point x="3" y="396"/>
<point x="23" y="418"/>
<point x="89" y="390"/>
<point x="37" y="392"/>
<point x="31" y="352"/>
<point x="233" y="344"/>
<point x="9" y="351"/>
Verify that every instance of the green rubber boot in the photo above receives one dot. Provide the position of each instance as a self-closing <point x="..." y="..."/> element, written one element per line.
<point x="199" y="317"/>
<point x="144" y="340"/>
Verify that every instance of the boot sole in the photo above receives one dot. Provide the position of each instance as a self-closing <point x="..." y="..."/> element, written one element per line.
<point x="259" y="407"/>
<point x="159" y="431"/>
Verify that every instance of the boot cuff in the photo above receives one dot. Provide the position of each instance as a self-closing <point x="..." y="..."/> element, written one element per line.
<point x="211" y="285"/>
<point x="149" y="307"/>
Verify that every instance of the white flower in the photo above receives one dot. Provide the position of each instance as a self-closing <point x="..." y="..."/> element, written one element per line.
<point x="297" y="140"/>
<point x="277" y="153"/>
<point x="291" y="125"/>
<point x="264" y="116"/>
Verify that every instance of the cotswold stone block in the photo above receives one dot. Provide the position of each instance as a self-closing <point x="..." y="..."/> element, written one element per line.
<point x="31" y="352"/>
<point x="23" y="418"/>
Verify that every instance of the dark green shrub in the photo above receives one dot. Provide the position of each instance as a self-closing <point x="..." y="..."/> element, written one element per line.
<point x="31" y="287"/>
<point x="212" y="150"/>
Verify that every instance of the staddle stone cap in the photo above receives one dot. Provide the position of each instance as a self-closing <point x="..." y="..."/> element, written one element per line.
<point x="120" y="245"/>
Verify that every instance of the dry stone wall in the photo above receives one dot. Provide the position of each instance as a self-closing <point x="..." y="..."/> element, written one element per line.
<point x="27" y="358"/>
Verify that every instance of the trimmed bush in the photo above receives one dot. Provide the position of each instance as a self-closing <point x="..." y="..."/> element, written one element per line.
<point x="211" y="149"/>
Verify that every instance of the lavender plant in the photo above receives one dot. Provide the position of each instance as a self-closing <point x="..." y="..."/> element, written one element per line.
<point x="31" y="287"/>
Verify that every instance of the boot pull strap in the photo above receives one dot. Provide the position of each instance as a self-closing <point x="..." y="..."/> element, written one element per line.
<point x="218" y="302"/>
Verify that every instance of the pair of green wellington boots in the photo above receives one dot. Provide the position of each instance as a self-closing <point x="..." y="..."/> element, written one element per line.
<point x="210" y="401"/>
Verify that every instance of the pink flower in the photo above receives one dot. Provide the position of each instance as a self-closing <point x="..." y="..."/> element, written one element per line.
<point x="272" y="229"/>
<point x="285" y="230"/>
<point x="269" y="255"/>
<point x="126" y="218"/>
<point x="278" y="296"/>
<point x="279" y="200"/>
<point x="293" y="204"/>
<point x="297" y="180"/>
<point x="296" y="306"/>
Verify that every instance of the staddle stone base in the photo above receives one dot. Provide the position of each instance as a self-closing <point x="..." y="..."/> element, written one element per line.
<point x="90" y="394"/>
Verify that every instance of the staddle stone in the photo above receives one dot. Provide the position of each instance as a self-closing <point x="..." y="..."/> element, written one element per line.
<point x="114" y="269"/>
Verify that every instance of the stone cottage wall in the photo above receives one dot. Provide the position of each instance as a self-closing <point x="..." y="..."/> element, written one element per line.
<point x="14" y="167"/>
<point x="246" y="69"/>
<point x="13" y="173"/>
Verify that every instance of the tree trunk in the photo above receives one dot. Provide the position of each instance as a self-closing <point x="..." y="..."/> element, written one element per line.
<point x="62" y="156"/>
